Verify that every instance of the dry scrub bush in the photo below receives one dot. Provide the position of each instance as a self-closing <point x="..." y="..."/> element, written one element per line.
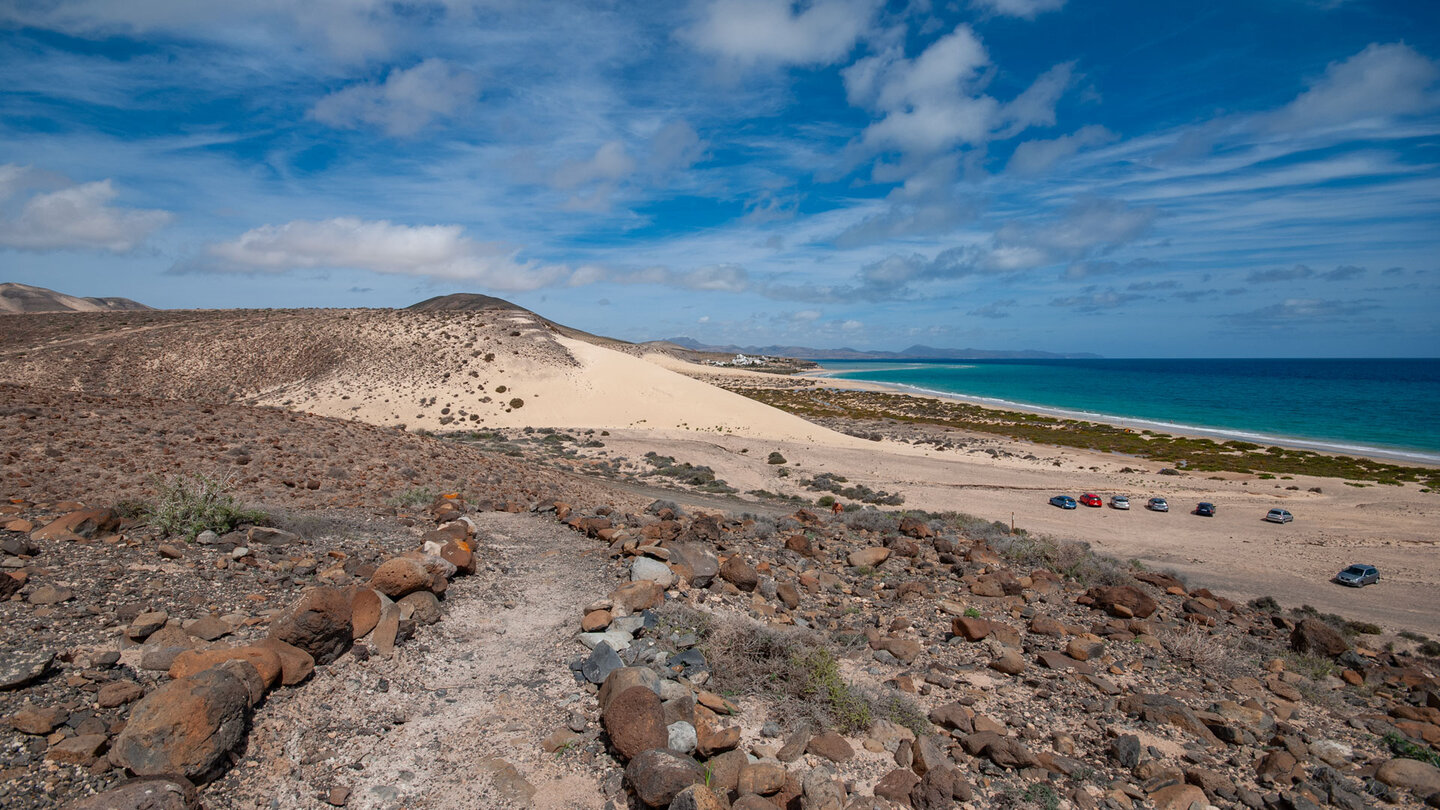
<point x="190" y="504"/>
<point x="796" y="671"/>
<point x="1196" y="647"/>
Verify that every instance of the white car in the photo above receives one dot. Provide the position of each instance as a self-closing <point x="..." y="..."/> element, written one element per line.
<point x="1119" y="502"/>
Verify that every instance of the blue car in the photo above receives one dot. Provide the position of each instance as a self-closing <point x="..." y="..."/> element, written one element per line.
<point x="1063" y="501"/>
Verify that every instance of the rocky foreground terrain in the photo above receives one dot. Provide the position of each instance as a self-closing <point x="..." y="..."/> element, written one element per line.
<point x="407" y="622"/>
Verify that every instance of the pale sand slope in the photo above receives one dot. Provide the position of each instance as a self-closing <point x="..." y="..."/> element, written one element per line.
<point x="594" y="387"/>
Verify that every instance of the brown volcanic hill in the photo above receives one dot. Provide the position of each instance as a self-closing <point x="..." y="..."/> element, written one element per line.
<point x="463" y="302"/>
<point x="437" y="370"/>
<point x="15" y="297"/>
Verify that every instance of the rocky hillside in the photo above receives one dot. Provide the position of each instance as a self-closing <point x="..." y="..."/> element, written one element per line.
<point x="526" y="639"/>
<point x="27" y="298"/>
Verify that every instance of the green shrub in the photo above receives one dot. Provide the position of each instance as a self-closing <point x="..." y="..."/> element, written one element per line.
<point x="190" y="504"/>
<point x="775" y="458"/>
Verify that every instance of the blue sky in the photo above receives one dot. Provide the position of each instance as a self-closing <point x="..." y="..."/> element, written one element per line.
<point x="1256" y="178"/>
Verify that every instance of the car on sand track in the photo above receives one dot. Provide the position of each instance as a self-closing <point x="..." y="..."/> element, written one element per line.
<point x="1358" y="576"/>
<point x="1279" y="516"/>
<point x="1119" y="502"/>
<point x="1063" y="501"/>
<point x="1158" y="505"/>
<point x="1091" y="499"/>
<point x="1204" y="509"/>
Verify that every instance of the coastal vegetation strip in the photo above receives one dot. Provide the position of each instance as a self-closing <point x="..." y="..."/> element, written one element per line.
<point x="1193" y="453"/>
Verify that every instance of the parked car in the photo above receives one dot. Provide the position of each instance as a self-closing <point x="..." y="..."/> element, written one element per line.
<point x="1204" y="509"/>
<point x="1279" y="516"/>
<point x="1158" y="505"/>
<point x="1358" y="576"/>
<point x="1091" y="499"/>
<point x="1119" y="502"/>
<point x="1063" y="501"/>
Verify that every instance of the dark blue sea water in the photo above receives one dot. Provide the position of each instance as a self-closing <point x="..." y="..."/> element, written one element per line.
<point x="1385" y="408"/>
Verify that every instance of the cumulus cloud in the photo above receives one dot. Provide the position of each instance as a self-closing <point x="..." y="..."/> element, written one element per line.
<point x="1302" y="272"/>
<point x="380" y="246"/>
<point x="405" y="103"/>
<point x="935" y="101"/>
<point x="1033" y="158"/>
<point x="1380" y="81"/>
<point x="1026" y="9"/>
<point x="781" y="31"/>
<point x="73" y="217"/>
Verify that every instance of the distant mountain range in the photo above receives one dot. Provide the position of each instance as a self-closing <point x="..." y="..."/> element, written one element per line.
<point x="27" y="298"/>
<point x="916" y="352"/>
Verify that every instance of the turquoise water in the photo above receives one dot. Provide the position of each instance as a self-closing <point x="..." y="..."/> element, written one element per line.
<point x="1383" y="407"/>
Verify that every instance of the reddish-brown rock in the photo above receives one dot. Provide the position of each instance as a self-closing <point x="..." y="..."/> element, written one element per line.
<point x="193" y="662"/>
<point x="1125" y="601"/>
<point x="400" y="576"/>
<point x="318" y="623"/>
<point x="83" y="524"/>
<point x="635" y="721"/>
<point x="184" y="727"/>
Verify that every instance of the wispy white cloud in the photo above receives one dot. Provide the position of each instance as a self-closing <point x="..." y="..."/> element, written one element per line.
<point x="1034" y="158"/>
<point x="431" y="251"/>
<point x="405" y="103"/>
<point x="1381" y="81"/>
<point x="72" y="217"/>
<point x="1027" y="9"/>
<point x="781" y="31"/>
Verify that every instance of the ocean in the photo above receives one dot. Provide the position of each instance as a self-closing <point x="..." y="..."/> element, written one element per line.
<point x="1384" y="408"/>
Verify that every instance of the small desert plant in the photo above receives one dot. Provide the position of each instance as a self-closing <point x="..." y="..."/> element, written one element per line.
<point x="190" y="504"/>
<point x="972" y="613"/>
<point x="1430" y="649"/>
<point x="132" y="509"/>
<point x="1405" y="749"/>
<point x="798" y="671"/>
<point x="775" y="458"/>
<point x="1265" y="604"/>
<point x="1043" y="795"/>
<point x="414" y="497"/>
<point x="1197" y="648"/>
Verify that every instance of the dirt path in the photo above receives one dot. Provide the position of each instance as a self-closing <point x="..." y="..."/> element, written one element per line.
<point x="455" y="720"/>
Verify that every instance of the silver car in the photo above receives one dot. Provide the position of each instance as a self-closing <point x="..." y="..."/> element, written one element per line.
<point x="1157" y="505"/>
<point x="1279" y="516"/>
<point x="1119" y="502"/>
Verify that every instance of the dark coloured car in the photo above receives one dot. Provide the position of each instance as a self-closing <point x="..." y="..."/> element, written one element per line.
<point x="1063" y="501"/>
<point x="1279" y="516"/>
<point x="1358" y="576"/>
<point x="1091" y="499"/>
<point x="1158" y="505"/>
<point x="1205" y="509"/>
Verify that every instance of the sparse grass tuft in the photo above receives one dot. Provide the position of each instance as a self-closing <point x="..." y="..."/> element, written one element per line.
<point x="797" y="671"/>
<point x="190" y="504"/>
<point x="414" y="498"/>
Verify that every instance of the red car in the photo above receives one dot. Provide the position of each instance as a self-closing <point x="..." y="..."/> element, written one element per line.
<point x="1091" y="499"/>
